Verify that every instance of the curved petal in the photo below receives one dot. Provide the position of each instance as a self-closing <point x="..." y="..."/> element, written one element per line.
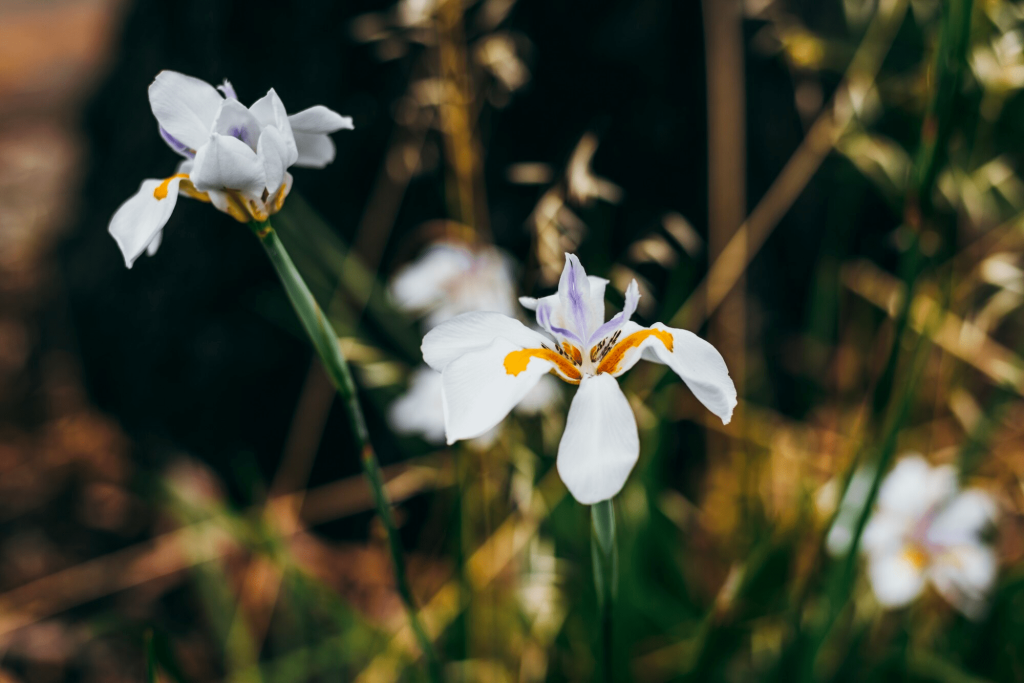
<point x="269" y="111"/>
<point x="177" y="145"/>
<point x="896" y="578"/>
<point x="419" y="410"/>
<point x="315" y="150"/>
<point x="185" y="107"/>
<point x="600" y="445"/>
<point x="235" y="121"/>
<point x="320" y="119"/>
<point x="228" y="90"/>
<point x="884" y="533"/>
<point x="136" y="225"/>
<point x="479" y="392"/>
<point x="473" y="331"/>
<point x="273" y="153"/>
<point x="227" y="162"/>
<point x="697" y="362"/>
<point x="913" y="488"/>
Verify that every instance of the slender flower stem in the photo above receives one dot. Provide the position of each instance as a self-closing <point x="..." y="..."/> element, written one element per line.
<point x="325" y="341"/>
<point x="605" y="556"/>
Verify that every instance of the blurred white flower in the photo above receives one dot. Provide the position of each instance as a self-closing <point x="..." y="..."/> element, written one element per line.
<point x="235" y="157"/>
<point x="924" y="530"/>
<point x="449" y="279"/>
<point x="489" y="362"/>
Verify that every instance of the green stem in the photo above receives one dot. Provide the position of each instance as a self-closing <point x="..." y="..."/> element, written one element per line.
<point x="325" y="341"/>
<point x="605" y="556"/>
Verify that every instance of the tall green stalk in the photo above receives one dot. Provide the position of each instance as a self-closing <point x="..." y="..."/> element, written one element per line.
<point x="605" y="556"/>
<point x="325" y="341"/>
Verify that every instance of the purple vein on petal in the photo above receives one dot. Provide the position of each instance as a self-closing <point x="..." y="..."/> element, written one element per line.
<point x="177" y="145"/>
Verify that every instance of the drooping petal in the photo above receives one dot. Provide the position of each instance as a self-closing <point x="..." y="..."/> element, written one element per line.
<point x="697" y="362"/>
<point x="185" y="107"/>
<point x="272" y="151"/>
<point x="419" y="410"/>
<point x="154" y="244"/>
<point x="269" y="111"/>
<point x="479" y="391"/>
<point x="137" y="224"/>
<point x="621" y="318"/>
<point x="913" y="488"/>
<point x="227" y="162"/>
<point x="964" y="576"/>
<point x="315" y="150"/>
<point x="473" y="331"/>
<point x="574" y="296"/>
<point x="896" y="578"/>
<point x="963" y="519"/>
<point x="600" y="445"/>
<point x="320" y="119"/>
<point x="235" y="121"/>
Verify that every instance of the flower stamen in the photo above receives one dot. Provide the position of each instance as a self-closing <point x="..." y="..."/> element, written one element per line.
<point x="517" y="361"/>
<point x="611" y="360"/>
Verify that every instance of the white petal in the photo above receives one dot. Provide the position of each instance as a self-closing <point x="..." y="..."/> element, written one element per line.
<point x="235" y="121"/>
<point x="597" y="288"/>
<point x="528" y="302"/>
<point x="963" y="519"/>
<point x="895" y="578"/>
<point x="320" y="119"/>
<point x="697" y="362"/>
<point x="474" y="331"/>
<point x="185" y="107"/>
<point x="315" y="150"/>
<point x="273" y="153"/>
<point x="884" y="533"/>
<point x="479" y="392"/>
<point x="137" y="223"/>
<point x="419" y="410"/>
<point x="600" y="445"/>
<point x="269" y="111"/>
<point x="154" y="244"/>
<point x="965" y="576"/>
<point x="913" y="488"/>
<point x="227" y="162"/>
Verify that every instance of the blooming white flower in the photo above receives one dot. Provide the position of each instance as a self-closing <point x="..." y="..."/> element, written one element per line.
<point x="449" y="279"/>
<point x="236" y="158"/>
<point x="925" y="530"/>
<point x="489" y="362"/>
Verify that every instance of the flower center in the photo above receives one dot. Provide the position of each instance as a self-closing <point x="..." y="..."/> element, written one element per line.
<point x="612" y="358"/>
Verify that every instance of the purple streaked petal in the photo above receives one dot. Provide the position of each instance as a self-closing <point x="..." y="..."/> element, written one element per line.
<point x="574" y="293"/>
<point x="620" y="318"/>
<point x="177" y="145"/>
<point x="544" y="319"/>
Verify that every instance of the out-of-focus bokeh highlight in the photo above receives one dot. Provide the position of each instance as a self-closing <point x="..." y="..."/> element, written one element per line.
<point x="827" y="190"/>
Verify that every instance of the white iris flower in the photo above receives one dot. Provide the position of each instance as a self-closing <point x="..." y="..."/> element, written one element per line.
<point x="924" y="530"/>
<point x="236" y="158"/>
<point x="489" y="362"/>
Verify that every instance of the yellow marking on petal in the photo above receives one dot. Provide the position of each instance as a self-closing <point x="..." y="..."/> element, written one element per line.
<point x="189" y="189"/>
<point x="610" y="363"/>
<point x="916" y="556"/>
<point x="517" y="361"/>
<point x="573" y="352"/>
<point x="161" y="190"/>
